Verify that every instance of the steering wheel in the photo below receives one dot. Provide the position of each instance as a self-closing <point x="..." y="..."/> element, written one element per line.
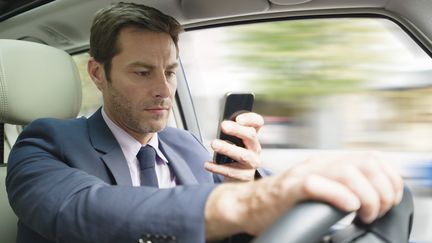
<point x="311" y="221"/>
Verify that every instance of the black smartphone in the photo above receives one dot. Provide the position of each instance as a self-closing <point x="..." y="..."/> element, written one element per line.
<point x="235" y="104"/>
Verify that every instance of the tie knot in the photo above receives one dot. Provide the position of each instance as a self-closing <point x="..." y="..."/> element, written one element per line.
<point x="146" y="157"/>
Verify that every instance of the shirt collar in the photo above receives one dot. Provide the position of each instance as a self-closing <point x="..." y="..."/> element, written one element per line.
<point x="129" y="145"/>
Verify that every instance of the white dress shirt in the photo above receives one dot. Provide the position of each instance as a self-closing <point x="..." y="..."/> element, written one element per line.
<point x="130" y="147"/>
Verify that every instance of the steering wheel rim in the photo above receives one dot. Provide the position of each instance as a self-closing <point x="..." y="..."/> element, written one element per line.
<point x="295" y="226"/>
<point x="310" y="221"/>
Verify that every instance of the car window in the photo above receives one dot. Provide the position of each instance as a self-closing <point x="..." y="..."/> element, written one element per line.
<point x="327" y="85"/>
<point x="341" y="83"/>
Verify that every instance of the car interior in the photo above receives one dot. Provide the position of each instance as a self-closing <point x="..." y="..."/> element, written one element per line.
<point x="44" y="43"/>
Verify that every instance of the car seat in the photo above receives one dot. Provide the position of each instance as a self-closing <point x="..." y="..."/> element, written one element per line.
<point x="36" y="81"/>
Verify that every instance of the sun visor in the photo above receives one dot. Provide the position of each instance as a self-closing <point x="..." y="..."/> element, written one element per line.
<point x="193" y="9"/>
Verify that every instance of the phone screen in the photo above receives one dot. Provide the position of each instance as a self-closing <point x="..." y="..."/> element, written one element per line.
<point x="235" y="104"/>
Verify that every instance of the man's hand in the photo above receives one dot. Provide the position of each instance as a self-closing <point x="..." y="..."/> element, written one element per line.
<point x="247" y="159"/>
<point x="359" y="182"/>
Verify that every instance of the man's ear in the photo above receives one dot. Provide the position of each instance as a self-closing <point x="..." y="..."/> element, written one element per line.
<point x="97" y="73"/>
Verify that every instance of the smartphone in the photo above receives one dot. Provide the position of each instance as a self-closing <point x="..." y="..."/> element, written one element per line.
<point x="235" y="104"/>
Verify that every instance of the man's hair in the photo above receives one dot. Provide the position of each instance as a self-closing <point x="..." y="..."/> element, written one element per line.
<point x="109" y="21"/>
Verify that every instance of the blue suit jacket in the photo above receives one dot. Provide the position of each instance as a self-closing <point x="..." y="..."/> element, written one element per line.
<point x="68" y="181"/>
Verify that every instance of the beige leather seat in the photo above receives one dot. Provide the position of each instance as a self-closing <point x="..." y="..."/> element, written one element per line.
<point x="35" y="81"/>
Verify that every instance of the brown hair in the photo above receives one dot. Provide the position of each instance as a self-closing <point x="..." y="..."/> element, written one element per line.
<point x="109" y="21"/>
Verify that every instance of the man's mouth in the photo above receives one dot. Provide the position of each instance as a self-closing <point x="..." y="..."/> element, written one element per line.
<point x="156" y="110"/>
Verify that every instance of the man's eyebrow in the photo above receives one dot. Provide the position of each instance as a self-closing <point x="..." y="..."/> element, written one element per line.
<point x="141" y="64"/>
<point x="149" y="66"/>
<point x="173" y="65"/>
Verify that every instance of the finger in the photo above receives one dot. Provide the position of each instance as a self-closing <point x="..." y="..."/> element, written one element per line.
<point x="232" y="171"/>
<point x="357" y="182"/>
<point x="316" y="187"/>
<point x="372" y="169"/>
<point x="247" y="134"/>
<point x="215" y="168"/>
<point x="237" y="153"/>
<point x="395" y="179"/>
<point x="250" y="119"/>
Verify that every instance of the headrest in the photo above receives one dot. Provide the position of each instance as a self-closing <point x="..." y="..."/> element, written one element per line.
<point x="37" y="81"/>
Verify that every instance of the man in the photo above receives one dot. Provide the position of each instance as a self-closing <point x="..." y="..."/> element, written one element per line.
<point x="84" y="180"/>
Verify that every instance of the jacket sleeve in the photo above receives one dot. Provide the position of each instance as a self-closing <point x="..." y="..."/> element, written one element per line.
<point x="65" y="204"/>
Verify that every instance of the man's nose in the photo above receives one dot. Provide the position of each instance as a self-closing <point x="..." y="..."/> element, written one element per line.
<point x="161" y="87"/>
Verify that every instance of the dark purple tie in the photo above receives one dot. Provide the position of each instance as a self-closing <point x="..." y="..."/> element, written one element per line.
<point x="147" y="159"/>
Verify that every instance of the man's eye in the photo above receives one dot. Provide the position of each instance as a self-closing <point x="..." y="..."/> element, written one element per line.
<point x="170" y="73"/>
<point x="142" y="73"/>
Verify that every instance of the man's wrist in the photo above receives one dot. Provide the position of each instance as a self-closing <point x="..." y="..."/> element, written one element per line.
<point x="224" y="211"/>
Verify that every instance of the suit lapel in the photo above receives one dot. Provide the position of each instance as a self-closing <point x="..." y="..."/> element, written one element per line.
<point x="104" y="141"/>
<point x="181" y="169"/>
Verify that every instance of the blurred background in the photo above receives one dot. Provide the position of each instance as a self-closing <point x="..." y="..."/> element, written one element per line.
<point x="323" y="85"/>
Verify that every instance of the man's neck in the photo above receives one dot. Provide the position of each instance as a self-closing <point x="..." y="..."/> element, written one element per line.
<point x="142" y="138"/>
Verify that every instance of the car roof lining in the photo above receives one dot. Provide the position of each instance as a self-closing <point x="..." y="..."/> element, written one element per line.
<point x="10" y="8"/>
<point x="56" y="23"/>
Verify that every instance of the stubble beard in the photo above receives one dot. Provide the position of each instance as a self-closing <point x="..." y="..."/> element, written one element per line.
<point x="123" y="110"/>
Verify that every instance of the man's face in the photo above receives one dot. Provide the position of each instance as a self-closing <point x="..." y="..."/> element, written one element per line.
<point x="143" y="81"/>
